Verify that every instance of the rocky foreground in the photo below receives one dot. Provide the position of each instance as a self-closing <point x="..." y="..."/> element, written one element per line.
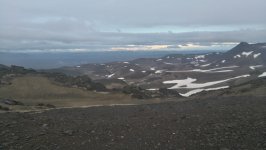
<point x="214" y="123"/>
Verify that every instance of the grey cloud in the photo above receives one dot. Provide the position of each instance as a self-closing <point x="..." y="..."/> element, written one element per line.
<point x="98" y="25"/>
<point x="104" y="41"/>
<point x="142" y="12"/>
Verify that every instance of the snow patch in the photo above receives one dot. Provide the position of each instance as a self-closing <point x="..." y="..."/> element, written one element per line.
<point x="256" y="55"/>
<point x="78" y="66"/>
<point x="202" y="60"/>
<point x="223" y="61"/>
<point x="201" y="90"/>
<point x="111" y="75"/>
<point x="247" y="53"/>
<point x="168" y="63"/>
<point x="254" y="67"/>
<point x="159" y="71"/>
<point x="237" y="56"/>
<point x="152" y="68"/>
<point x="121" y="78"/>
<point x="152" y="89"/>
<point x="200" y="57"/>
<point x="262" y="75"/>
<point x="188" y="83"/>
<point x="224" y="71"/>
<point x="143" y="71"/>
<point x="193" y="62"/>
<point x="196" y="65"/>
<point x="206" y="65"/>
<point x="131" y="70"/>
<point x="180" y="83"/>
<point x="214" y="70"/>
<point x="229" y="67"/>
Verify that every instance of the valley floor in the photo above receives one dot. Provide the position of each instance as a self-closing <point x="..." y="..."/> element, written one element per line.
<point x="213" y="123"/>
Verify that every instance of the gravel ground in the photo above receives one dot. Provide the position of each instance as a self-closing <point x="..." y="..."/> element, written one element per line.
<point x="215" y="123"/>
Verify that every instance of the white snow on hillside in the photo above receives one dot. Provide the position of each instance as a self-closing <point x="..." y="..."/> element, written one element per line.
<point x="131" y="70"/>
<point x="121" y="78"/>
<point x="168" y="63"/>
<point x="159" y="71"/>
<point x="214" y="69"/>
<point x="202" y="60"/>
<point x="225" y="67"/>
<point x="256" y="55"/>
<point x="201" y="90"/>
<point x="111" y="75"/>
<point x="194" y="62"/>
<point x="152" y="89"/>
<point x="206" y="65"/>
<point x="180" y="83"/>
<point x="225" y="71"/>
<point x="188" y="83"/>
<point x="237" y="56"/>
<point x="263" y="75"/>
<point x="200" y="57"/>
<point x="247" y="53"/>
<point x="254" y="67"/>
<point x="209" y="70"/>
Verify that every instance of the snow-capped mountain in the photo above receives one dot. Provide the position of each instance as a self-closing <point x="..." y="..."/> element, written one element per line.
<point x="186" y="73"/>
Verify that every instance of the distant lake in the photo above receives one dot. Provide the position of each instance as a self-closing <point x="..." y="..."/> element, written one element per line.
<point x="59" y="59"/>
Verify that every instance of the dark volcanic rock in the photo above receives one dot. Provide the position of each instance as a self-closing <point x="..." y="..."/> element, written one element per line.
<point x="201" y="124"/>
<point x="10" y="102"/>
<point x="46" y="105"/>
<point x="4" y="108"/>
<point x="164" y="92"/>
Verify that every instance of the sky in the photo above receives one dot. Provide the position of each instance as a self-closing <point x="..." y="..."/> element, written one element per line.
<point x="116" y="25"/>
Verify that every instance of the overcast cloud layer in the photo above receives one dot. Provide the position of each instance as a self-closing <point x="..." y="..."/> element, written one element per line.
<point x="81" y="25"/>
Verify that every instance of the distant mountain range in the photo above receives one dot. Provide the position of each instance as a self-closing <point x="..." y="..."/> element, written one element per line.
<point x="240" y="71"/>
<point x="48" y="60"/>
<point x="186" y="73"/>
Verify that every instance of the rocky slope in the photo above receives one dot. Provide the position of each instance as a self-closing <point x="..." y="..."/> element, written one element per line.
<point x="225" y="108"/>
<point x="202" y="124"/>
<point x="26" y="90"/>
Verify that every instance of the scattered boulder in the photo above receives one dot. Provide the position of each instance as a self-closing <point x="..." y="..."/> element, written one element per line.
<point x="10" y="102"/>
<point x="84" y="81"/>
<point x="164" y="92"/>
<point x="4" y="108"/>
<point x="137" y="92"/>
<point x="68" y="132"/>
<point x="46" y="105"/>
